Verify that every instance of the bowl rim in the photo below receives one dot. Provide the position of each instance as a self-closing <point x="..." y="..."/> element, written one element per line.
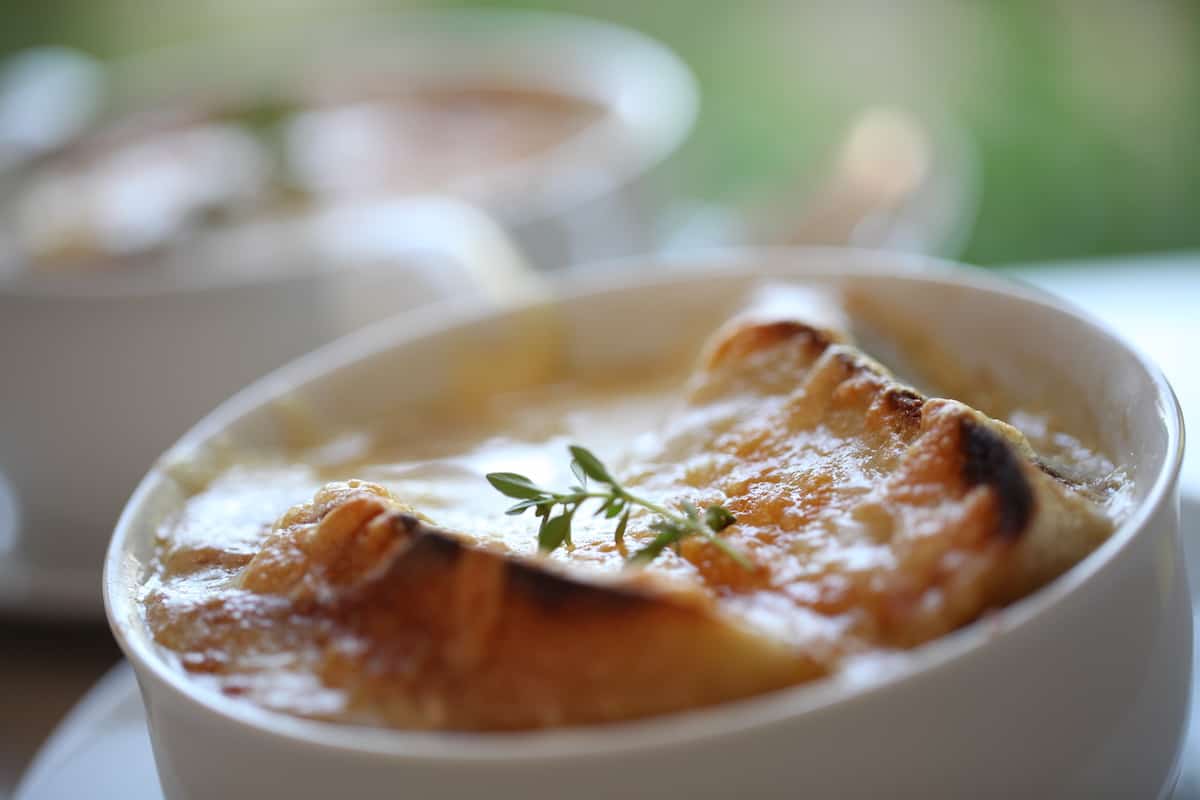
<point x="661" y="121"/>
<point x="670" y="730"/>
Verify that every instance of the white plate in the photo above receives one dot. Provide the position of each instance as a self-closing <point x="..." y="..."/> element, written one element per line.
<point x="101" y="749"/>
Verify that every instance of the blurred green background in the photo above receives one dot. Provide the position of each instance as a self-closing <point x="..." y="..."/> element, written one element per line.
<point x="1085" y="115"/>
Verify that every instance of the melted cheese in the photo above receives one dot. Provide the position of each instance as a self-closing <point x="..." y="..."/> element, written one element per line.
<point x="396" y="591"/>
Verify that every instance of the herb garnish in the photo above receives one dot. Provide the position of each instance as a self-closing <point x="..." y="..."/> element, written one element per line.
<point x="616" y="501"/>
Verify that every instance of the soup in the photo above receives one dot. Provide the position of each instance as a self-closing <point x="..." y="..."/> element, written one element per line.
<point x="786" y="510"/>
<point x="151" y="181"/>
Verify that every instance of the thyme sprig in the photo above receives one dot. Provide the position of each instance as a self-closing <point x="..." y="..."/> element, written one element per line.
<point x="615" y="501"/>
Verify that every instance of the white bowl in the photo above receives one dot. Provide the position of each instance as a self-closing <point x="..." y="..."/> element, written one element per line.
<point x="1079" y="690"/>
<point x="592" y="196"/>
<point x="104" y="371"/>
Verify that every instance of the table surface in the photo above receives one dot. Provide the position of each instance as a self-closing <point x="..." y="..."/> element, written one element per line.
<point x="44" y="671"/>
<point x="1153" y="300"/>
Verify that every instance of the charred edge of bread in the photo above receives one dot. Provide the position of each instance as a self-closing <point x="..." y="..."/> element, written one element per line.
<point x="497" y="641"/>
<point x="747" y="339"/>
<point x="548" y="590"/>
<point x="989" y="460"/>
<point x="902" y="404"/>
<point x="905" y="403"/>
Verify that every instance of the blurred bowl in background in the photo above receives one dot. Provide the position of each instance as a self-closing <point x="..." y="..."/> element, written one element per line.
<point x="232" y="204"/>
<point x="104" y="371"/>
<point x="549" y="122"/>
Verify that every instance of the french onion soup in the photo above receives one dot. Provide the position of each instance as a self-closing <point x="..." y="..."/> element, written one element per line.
<point x="155" y="178"/>
<point x="590" y="549"/>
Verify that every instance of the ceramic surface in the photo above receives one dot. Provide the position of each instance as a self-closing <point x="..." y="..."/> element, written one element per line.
<point x="1077" y="691"/>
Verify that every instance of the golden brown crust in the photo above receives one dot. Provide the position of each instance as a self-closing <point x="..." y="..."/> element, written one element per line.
<point x="952" y="508"/>
<point x="877" y="519"/>
<point x="747" y="339"/>
<point x="505" y="643"/>
<point x="439" y="632"/>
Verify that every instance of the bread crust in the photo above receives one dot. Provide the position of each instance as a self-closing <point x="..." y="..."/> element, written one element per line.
<point x="877" y="519"/>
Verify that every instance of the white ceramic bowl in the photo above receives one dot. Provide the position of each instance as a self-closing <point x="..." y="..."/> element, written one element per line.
<point x="104" y="371"/>
<point x="1079" y="690"/>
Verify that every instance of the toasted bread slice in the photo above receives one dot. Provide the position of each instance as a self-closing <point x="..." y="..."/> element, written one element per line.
<point x="436" y="631"/>
<point x="899" y="516"/>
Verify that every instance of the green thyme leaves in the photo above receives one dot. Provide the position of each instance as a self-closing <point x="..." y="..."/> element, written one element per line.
<point x="557" y="510"/>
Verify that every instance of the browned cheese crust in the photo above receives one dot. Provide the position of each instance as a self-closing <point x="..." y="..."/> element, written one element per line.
<point x="877" y="520"/>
